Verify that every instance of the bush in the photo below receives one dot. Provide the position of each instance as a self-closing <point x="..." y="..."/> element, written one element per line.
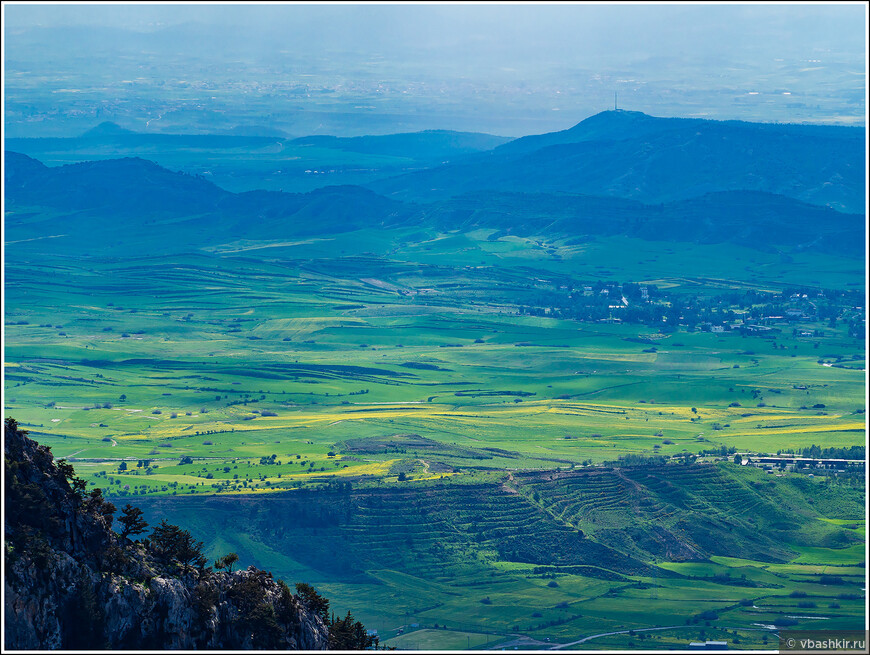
<point x="226" y="562"/>
<point x="174" y="544"/>
<point x="255" y="617"/>
<point x="346" y="634"/>
<point x="313" y="600"/>
<point x="203" y="599"/>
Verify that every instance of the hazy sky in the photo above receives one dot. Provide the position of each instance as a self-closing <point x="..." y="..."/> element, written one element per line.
<point x="677" y="59"/>
<point x="646" y="28"/>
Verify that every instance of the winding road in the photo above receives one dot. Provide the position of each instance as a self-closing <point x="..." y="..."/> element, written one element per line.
<point x="624" y="632"/>
<point x="607" y="634"/>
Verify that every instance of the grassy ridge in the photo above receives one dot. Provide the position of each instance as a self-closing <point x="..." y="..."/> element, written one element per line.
<point x="484" y="558"/>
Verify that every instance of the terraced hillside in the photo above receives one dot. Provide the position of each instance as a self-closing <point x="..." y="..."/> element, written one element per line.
<point x="683" y="513"/>
<point x="438" y="552"/>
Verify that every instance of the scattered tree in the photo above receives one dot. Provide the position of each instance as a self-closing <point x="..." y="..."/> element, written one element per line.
<point x="346" y="634"/>
<point x="313" y="601"/>
<point x="174" y="544"/>
<point x="131" y="519"/>
<point x="226" y="562"/>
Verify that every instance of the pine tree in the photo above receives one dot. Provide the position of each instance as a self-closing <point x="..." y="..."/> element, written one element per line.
<point x="131" y="519"/>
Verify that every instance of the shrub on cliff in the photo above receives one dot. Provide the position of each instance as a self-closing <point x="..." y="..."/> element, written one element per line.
<point x="174" y="545"/>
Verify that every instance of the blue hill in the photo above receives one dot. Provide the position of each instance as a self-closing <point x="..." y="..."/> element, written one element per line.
<point x="653" y="160"/>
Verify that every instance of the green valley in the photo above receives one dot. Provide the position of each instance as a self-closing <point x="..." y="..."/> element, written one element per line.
<point x="413" y="422"/>
<point x="486" y="412"/>
<point x="482" y="326"/>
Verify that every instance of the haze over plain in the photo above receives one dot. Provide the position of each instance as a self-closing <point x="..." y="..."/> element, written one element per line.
<point x="350" y="70"/>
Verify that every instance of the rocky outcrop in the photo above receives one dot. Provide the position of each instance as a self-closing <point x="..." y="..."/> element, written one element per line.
<point x="72" y="583"/>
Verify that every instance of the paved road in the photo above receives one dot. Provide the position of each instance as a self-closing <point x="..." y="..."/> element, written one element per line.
<point x="526" y="643"/>
<point x="607" y="634"/>
<point x="624" y="632"/>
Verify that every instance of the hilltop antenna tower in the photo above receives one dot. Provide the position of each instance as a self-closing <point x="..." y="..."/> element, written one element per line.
<point x="615" y="105"/>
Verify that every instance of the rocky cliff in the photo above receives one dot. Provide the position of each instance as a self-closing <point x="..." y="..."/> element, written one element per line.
<point x="73" y="583"/>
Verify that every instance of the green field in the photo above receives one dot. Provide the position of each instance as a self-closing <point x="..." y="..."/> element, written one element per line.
<point x="477" y="558"/>
<point x="390" y="427"/>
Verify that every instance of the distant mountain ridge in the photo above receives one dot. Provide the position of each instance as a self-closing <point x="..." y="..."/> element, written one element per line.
<point x="106" y="128"/>
<point x="621" y="124"/>
<point x="124" y="185"/>
<point x="95" y="206"/>
<point x="751" y="218"/>
<point x="110" y="203"/>
<point x="654" y="160"/>
<point x="425" y="145"/>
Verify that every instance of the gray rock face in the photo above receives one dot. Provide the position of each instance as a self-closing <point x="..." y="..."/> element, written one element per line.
<point x="72" y="583"/>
